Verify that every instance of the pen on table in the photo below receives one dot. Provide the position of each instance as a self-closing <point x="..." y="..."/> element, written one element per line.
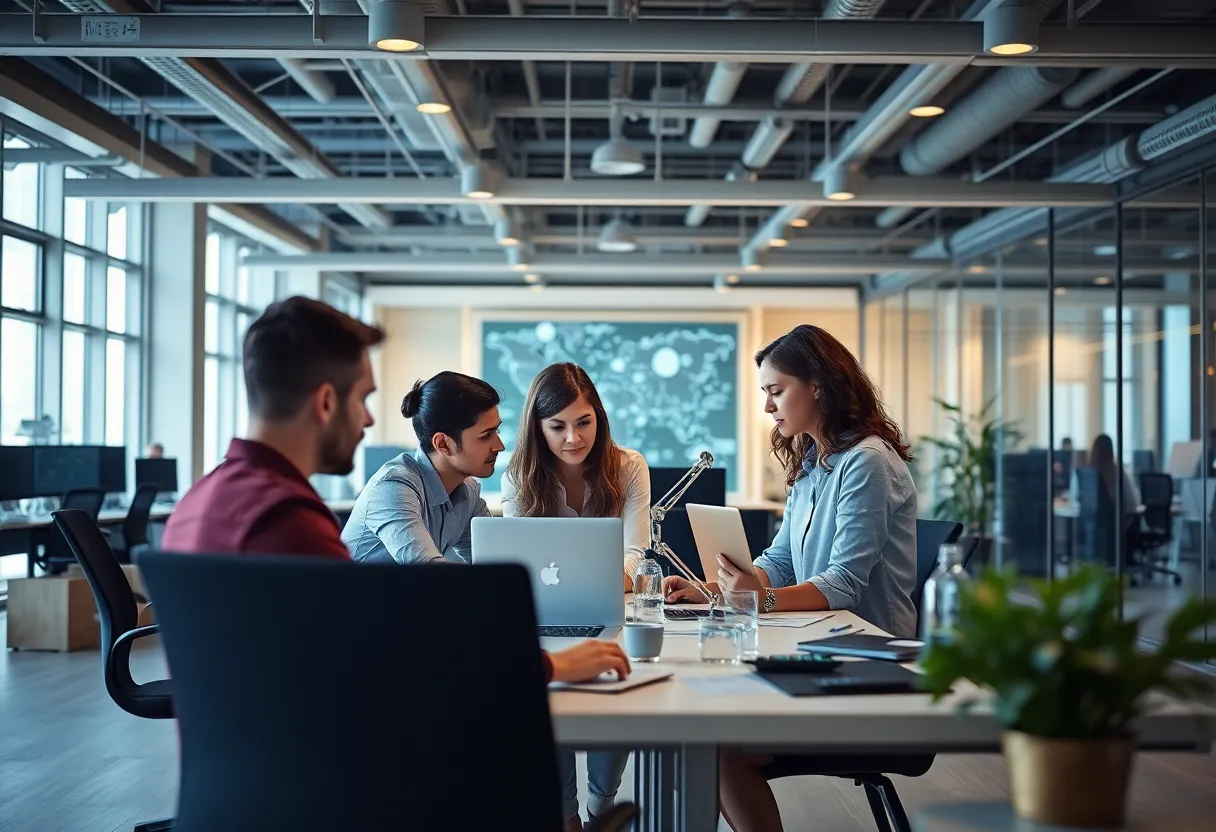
<point x="841" y="628"/>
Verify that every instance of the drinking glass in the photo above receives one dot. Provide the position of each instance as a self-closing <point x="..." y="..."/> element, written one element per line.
<point x="743" y="607"/>
<point x="721" y="638"/>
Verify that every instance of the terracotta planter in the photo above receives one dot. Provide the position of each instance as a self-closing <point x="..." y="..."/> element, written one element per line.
<point x="1069" y="782"/>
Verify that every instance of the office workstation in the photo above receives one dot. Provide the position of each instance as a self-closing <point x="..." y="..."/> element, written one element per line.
<point x="633" y="357"/>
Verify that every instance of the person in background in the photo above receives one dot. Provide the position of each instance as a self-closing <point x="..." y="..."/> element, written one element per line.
<point x="418" y="507"/>
<point x="565" y="464"/>
<point x="1102" y="460"/>
<point x="155" y="451"/>
<point x="307" y="379"/>
<point x="848" y="537"/>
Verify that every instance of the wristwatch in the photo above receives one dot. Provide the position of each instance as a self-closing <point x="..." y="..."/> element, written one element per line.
<point x="770" y="599"/>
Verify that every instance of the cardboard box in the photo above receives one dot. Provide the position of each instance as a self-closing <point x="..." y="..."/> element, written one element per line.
<point x="57" y="612"/>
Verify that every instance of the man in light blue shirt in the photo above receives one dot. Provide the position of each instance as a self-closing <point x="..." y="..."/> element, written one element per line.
<point x="419" y="508"/>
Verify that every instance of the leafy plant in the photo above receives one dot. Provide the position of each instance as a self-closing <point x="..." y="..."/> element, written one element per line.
<point x="1063" y="666"/>
<point x="966" y="465"/>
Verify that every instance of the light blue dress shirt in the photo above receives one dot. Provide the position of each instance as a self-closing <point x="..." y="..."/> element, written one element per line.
<point x="405" y="515"/>
<point x="852" y="533"/>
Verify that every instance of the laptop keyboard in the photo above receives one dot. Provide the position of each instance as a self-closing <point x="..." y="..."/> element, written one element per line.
<point x="568" y="632"/>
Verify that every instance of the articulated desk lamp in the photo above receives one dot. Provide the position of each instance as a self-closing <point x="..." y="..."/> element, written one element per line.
<point x="658" y="513"/>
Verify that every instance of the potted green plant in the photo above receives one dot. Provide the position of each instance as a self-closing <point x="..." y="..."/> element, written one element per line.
<point x="966" y="470"/>
<point x="1067" y="680"/>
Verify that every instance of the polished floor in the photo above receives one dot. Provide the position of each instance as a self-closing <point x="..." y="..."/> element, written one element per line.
<point x="70" y="761"/>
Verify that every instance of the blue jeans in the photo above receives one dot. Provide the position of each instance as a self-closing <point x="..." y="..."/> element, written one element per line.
<point x="604" y="772"/>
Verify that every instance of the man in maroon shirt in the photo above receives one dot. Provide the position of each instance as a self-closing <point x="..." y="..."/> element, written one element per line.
<point x="307" y="379"/>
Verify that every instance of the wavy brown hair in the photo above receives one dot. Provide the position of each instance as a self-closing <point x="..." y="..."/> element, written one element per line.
<point x="849" y="407"/>
<point x="533" y="468"/>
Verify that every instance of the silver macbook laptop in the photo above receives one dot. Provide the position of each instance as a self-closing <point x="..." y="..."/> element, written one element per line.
<point x="576" y="564"/>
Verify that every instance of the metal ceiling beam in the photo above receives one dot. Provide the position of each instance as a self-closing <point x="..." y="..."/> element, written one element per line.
<point x="881" y="192"/>
<point x="608" y="39"/>
<point x="41" y="94"/>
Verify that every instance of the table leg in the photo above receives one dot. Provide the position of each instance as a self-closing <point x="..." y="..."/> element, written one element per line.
<point x="697" y="776"/>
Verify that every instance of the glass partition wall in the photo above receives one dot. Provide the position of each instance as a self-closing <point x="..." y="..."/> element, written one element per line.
<point x="1087" y="347"/>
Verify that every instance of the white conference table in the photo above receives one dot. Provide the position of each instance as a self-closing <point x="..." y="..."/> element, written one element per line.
<point x="680" y="723"/>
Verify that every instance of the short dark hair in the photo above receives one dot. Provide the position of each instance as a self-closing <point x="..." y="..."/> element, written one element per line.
<point x="297" y="345"/>
<point x="448" y="403"/>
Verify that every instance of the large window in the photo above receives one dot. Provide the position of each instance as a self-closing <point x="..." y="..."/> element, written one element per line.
<point x="234" y="299"/>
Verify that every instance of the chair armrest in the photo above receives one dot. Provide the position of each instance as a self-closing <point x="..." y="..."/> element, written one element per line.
<point x="120" y="653"/>
<point x="138" y="632"/>
<point x="616" y="819"/>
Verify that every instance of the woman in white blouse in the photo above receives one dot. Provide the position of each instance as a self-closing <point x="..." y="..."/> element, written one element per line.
<point x="565" y="464"/>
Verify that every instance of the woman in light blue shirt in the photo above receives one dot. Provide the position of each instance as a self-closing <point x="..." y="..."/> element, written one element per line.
<point x="848" y="537"/>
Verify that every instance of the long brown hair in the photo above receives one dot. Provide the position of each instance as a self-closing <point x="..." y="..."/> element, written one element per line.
<point x="533" y="468"/>
<point x="1102" y="460"/>
<point x="849" y="406"/>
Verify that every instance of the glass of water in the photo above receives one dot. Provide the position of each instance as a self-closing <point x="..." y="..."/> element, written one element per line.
<point x="743" y="607"/>
<point x="721" y="638"/>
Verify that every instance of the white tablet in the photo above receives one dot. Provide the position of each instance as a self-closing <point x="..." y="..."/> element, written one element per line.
<point x="718" y="530"/>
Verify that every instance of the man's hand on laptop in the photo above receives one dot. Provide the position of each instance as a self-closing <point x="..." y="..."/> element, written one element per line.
<point x="586" y="661"/>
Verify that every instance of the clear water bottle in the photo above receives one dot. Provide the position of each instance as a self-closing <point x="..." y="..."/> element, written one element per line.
<point x="648" y="592"/>
<point x="939" y="604"/>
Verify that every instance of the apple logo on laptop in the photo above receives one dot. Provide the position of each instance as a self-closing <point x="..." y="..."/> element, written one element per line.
<point x="548" y="575"/>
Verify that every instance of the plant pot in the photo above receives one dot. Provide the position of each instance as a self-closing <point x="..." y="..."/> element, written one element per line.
<point x="1068" y="782"/>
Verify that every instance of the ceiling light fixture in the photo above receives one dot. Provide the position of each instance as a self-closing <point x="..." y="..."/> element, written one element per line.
<point x="838" y="184"/>
<point x="617" y="237"/>
<point x="732" y="279"/>
<point x="617" y="157"/>
<point x="1104" y="251"/>
<point x="395" y="25"/>
<point x="1060" y="290"/>
<point x="1102" y="281"/>
<point x="532" y="277"/>
<point x="1012" y="28"/>
<point x="926" y="111"/>
<point x="749" y="260"/>
<point x="778" y="242"/>
<point x="976" y="268"/>
<point x="720" y="285"/>
<point x="506" y="232"/>
<point x="799" y="222"/>
<point x="519" y="259"/>
<point x="434" y="108"/>
<point x="475" y="182"/>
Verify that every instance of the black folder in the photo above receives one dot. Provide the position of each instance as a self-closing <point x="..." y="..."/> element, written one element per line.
<point x="854" y="678"/>
<point x="865" y="646"/>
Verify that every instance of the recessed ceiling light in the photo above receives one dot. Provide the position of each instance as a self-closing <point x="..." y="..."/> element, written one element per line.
<point x="434" y="108"/>
<point x="1060" y="290"/>
<point x="531" y="277"/>
<point x="1040" y="241"/>
<point x="778" y="242"/>
<point x="926" y="111"/>
<point x="395" y="26"/>
<point x="1102" y="281"/>
<point x="976" y="268"/>
<point x="1012" y="49"/>
<point x="732" y="279"/>
<point x="799" y="222"/>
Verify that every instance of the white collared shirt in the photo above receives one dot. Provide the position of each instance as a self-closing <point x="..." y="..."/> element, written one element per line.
<point x="635" y="479"/>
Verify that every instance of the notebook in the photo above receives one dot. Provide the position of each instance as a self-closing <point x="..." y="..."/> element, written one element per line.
<point x="865" y="646"/>
<point x="851" y="678"/>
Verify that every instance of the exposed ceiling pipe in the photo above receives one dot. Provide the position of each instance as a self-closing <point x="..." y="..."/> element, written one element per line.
<point x="885" y="117"/>
<point x="318" y="87"/>
<point x="797" y="86"/>
<point x="1094" y="84"/>
<point x="1118" y="161"/>
<point x="719" y="90"/>
<point x="232" y="101"/>
<point x="990" y="109"/>
<point x="531" y="80"/>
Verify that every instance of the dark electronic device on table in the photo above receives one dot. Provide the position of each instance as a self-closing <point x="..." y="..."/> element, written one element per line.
<point x="795" y="663"/>
<point x="851" y="678"/>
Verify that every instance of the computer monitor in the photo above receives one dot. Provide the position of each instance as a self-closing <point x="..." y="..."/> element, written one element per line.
<point x="16" y="472"/>
<point x="709" y="489"/>
<point x="60" y="468"/>
<point x="160" y="472"/>
<point x="112" y="473"/>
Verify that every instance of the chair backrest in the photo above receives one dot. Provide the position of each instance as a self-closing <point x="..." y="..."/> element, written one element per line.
<point x="116" y="609"/>
<point x="1144" y="462"/>
<point x="1097" y="521"/>
<point x="930" y="535"/>
<point x="1156" y="489"/>
<point x="324" y="695"/>
<point x="88" y="500"/>
<point x="135" y="526"/>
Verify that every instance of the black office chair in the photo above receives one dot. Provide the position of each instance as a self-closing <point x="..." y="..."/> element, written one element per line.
<point x="54" y="555"/>
<point x="323" y="696"/>
<point x="118" y="614"/>
<point x="1156" y="529"/>
<point x="872" y="771"/>
<point x="134" y="530"/>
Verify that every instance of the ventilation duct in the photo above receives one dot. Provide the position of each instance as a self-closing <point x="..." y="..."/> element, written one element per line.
<point x="1094" y="84"/>
<point x="719" y="91"/>
<point x="797" y="86"/>
<point x="997" y="104"/>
